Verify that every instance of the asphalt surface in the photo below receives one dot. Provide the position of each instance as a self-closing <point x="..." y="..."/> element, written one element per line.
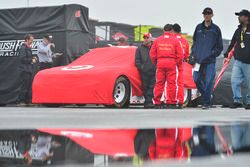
<point x="136" y="117"/>
<point x="89" y="117"/>
<point x="215" y="161"/>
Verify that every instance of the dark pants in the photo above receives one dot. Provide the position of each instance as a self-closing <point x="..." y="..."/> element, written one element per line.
<point x="204" y="79"/>
<point x="206" y="141"/>
<point x="25" y="95"/>
<point x="43" y="66"/>
<point x="148" y="83"/>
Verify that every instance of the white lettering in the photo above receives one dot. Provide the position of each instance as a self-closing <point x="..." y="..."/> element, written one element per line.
<point x="9" y="48"/>
<point x="76" y="68"/>
<point x="77" y="134"/>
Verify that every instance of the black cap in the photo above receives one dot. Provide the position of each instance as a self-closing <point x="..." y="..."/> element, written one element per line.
<point x="243" y="12"/>
<point x="208" y="11"/>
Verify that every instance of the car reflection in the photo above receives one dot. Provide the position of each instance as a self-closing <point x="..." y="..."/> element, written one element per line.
<point x="132" y="146"/>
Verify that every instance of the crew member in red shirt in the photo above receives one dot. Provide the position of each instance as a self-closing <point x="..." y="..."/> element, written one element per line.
<point x="167" y="54"/>
<point x="185" y="47"/>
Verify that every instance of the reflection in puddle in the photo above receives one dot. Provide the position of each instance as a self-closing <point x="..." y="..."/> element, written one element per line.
<point x="132" y="146"/>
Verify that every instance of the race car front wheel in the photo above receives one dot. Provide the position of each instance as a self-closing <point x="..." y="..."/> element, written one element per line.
<point x="121" y="92"/>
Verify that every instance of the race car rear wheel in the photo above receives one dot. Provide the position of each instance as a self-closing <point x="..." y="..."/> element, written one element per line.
<point x="121" y="92"/>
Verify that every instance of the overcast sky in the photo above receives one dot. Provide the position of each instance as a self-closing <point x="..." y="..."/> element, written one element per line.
<point x="153" y="12"/>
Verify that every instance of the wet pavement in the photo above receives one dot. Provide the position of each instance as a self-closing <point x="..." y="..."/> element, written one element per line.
<point x="90" y="136"/>
<point x="72" y="117"/>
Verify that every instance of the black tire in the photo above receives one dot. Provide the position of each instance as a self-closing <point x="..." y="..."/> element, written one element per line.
<point x="187" y="100"/>
<point x="81" y="105"/>
<point x="125" y="100"/>
<point x="52" y="105"/>
<point x="2" y="105"/>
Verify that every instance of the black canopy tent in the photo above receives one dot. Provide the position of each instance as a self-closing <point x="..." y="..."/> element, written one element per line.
<point x="68" y="24"/>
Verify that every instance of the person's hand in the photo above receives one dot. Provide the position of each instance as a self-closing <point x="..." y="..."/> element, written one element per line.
<point x="27" y="158"/>
<point x="33" y="139"/>
<point x="191" y="60"/>
<point x="52" y="44"/>
<point x="34" y="60"/>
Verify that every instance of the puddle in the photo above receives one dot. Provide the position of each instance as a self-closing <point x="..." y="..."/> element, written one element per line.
<point x="104" y="147"/>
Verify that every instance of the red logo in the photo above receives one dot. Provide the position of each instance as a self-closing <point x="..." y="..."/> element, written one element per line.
<point x="78" y="13"/>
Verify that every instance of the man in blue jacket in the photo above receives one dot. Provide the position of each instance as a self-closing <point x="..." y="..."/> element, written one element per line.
<point x="207" y="45"/>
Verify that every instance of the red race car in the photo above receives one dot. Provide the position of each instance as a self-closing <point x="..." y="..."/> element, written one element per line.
<point x="105" y="76"/>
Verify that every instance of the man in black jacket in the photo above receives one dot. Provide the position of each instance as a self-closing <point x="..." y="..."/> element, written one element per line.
<point x="146" y="69"/>
<point x="241" y="67"/>
<point x="27" y="60"/>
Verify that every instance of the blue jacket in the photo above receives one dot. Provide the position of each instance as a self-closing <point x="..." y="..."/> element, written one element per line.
<point x="207" y="43"/>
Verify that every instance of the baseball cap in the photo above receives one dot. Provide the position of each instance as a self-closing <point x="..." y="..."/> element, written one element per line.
<point x="243" y="12"/>
<point x="208" y="11"/>
<point x="147" y="35"/>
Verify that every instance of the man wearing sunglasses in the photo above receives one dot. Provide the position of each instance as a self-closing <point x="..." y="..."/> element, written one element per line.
<point x="207" y="45"/>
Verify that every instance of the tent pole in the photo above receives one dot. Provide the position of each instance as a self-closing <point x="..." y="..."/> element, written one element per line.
<point x="140" y="32"/>
<point x="106" y="32"/>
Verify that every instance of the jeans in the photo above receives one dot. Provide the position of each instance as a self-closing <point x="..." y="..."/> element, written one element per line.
<point x="240" y="73"/>
<point x="204" y="81"/>
<point x="240" y="134"/>
<point x="206" y="141"/>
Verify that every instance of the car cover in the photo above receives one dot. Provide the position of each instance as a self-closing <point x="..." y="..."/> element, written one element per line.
<point x="109" y="142"/>
<point x="91" y="78"/>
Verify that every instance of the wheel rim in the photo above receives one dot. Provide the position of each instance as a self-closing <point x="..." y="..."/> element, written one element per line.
<point x="120" y="91"/>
